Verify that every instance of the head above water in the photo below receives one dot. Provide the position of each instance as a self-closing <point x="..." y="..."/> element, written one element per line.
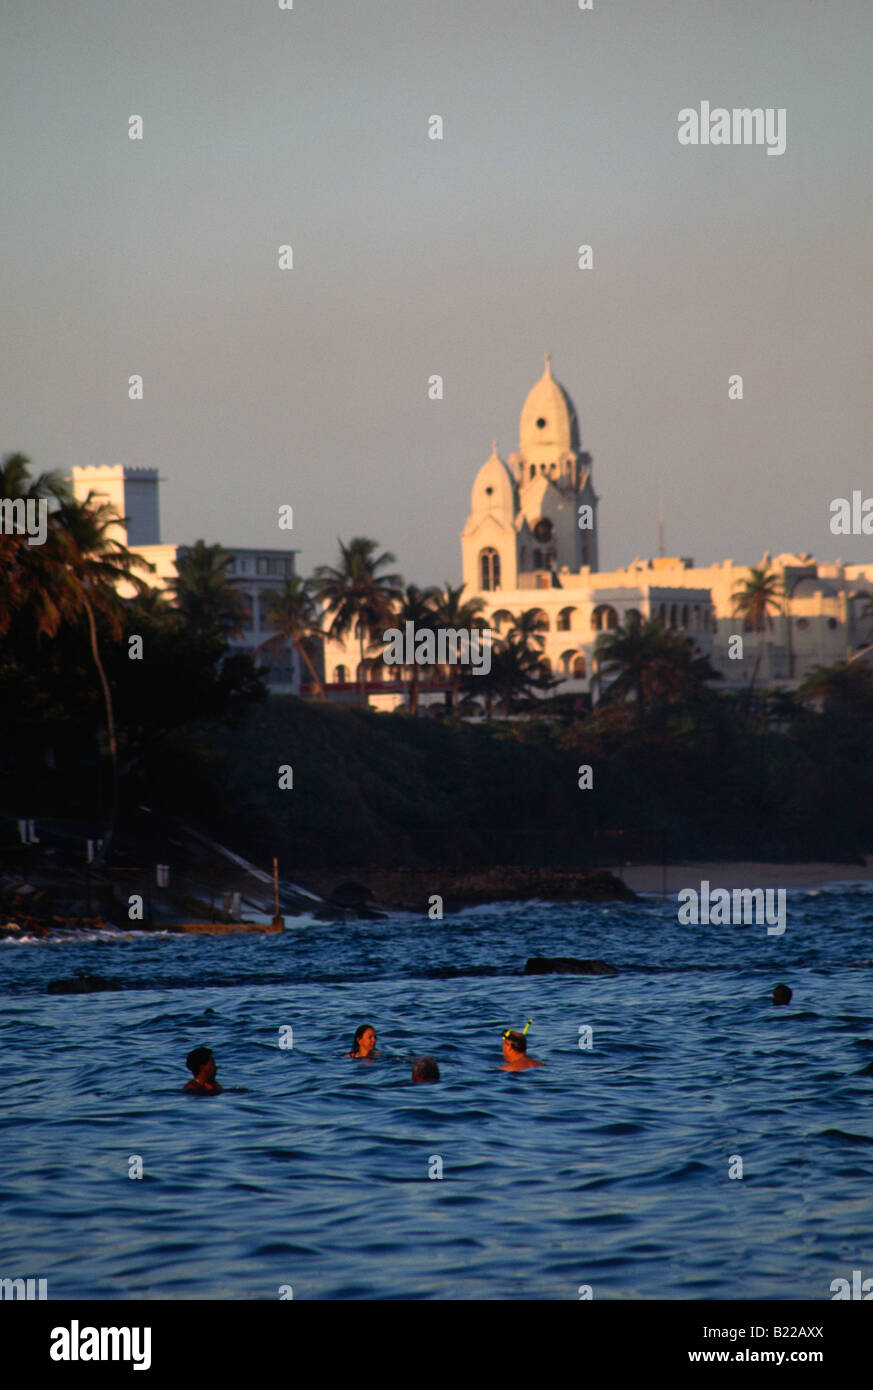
<point x="198" y="1059"/>
<point x="425" y="1069"/>
<point x="516" y="1040"/>
<point x="365" y="1040"/>
<point x="782" y="995"/>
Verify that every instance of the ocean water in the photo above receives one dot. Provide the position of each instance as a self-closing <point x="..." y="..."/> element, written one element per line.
<point x="609" y="1167"/>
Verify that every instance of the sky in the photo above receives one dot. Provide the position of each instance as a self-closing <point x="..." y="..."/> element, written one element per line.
<point x="413" y="257"/>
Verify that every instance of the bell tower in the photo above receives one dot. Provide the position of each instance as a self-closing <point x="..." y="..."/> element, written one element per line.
<point x="552" y="474"/>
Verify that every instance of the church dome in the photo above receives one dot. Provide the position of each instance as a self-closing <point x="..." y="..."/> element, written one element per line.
<point x="493" y="488"/>
<point x="548" y="416"/>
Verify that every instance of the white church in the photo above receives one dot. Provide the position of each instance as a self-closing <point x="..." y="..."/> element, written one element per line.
<point x="531" y="542"/>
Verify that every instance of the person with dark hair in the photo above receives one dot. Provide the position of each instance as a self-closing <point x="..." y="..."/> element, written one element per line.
<point x="202" y="1063"/>
<point x="782" y="995"/>
<point x="364" y="1044"/>
<point x="425" y="1069"/>
<point x="515" y="1051"/>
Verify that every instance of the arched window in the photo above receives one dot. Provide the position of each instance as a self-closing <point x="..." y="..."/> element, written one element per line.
<point x="543" y="619"/>
<point x="502" y="618"/>
<point x="545" y="665"/>
<point x="685" y="615"/>
<point x="340" y="675"/>
<point x="533" y="470"/>
<point x="565" y="619"/>
<point x="578" y="667"/>
<point x="674" y="615"/>
<point x="489" y="565"/>
<point x="633" y="615"/>
<point x="604" y="618"/>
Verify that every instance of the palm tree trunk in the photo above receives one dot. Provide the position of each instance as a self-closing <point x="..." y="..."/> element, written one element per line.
<point x="110" y="726"/>
<point x="301" y="650"/>
<point x="363" y="677"/>
<point x="456" y="689"/>
<point x="755" y="670"/>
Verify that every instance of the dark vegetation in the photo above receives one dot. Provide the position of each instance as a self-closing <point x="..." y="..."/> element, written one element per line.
<point x="680" y="771"/>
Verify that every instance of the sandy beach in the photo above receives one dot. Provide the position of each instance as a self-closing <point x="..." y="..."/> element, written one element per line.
<point x="654" y="878"/>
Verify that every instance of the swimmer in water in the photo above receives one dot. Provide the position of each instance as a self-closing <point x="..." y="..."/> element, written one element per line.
<point x="425" y="1069"/>
<point x="515" y="1051"/>
<point x="202" y="1063"/>
<point x="364" y="1044"/>
<point x="782" y="995"/>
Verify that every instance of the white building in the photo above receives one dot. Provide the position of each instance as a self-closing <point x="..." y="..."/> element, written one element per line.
<point x="531" y="541"/>
<point x="133" y="492"/>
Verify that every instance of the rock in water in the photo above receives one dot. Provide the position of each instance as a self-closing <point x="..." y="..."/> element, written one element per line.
<point x="353" y="895"/>
<point x="82" y="984"/>
<point x="567" y="965"/>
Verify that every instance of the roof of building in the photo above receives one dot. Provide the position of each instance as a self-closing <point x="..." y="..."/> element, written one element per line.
<point x="548" y="416"/>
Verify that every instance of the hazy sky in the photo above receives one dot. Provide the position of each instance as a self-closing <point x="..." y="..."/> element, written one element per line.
<point x="413" y="257"/>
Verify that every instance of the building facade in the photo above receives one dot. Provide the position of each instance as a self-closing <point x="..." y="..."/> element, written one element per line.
<point x="133" y="492"/>
<point x="531" y="542"/>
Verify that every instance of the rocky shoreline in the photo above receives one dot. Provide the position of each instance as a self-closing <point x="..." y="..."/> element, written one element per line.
<point x="411" y="890"/>
<point x="49" y="899"/>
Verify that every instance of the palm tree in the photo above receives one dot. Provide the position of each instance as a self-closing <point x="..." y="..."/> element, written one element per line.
<point x="846" y="686"/>
<point x="450" y="611"/>
<point x="630" y="653"/>
<point x="652" y="664"/>
<point x="88" y="565"/>
<point x="528" y="629"/>
<point x="206" y="597"/>
<point x="25" y="570"/>
<point x="515" y="671"/>
<point x="754" y="600"/>
<point x="15" y="481"/>
<point x="292" y="611"/>
<point x="357" y="596"/>
<point x="417" y="607"/>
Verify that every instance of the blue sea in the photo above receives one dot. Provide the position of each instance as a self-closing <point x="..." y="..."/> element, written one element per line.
<point x="608" y="1168"/>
